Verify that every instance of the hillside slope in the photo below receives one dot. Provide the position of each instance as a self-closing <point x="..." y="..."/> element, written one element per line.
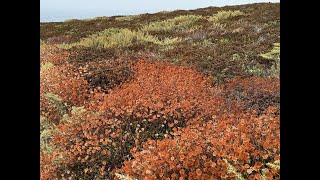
<point x="172" y="95"/>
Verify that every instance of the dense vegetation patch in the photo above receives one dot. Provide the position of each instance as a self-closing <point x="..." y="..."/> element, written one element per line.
<point x="171" y="95"/>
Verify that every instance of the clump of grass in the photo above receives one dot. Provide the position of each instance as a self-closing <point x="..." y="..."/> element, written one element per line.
<point x="46" y="66"/>
<point x="179" y="23"/>
<point x="273" y="54"/>
<point x="127" y="18"/>
<point x="223" y="15"/>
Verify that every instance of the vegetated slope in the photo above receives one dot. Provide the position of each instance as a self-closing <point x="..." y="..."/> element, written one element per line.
<point x="171" y="95"/>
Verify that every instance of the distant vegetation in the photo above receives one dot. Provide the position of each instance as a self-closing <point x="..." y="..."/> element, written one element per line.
<point x="224" y="15"/>
<point x="119" y="38"/>
<point x="171" y="95"/>
<point x="179" y="23"/>
<point x="127" y="18"/>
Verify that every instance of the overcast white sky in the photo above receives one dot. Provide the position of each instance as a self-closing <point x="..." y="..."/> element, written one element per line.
<point x="139" y="4"/>
<point x="72" y="8"/>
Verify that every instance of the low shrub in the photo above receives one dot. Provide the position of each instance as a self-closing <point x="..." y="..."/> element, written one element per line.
<point x="120" y="38"/>
<point x="246" y="142"/>
<point x="273" y="54"/>
<point x="223" y="15"/>
<point x="159" y="98"/>
<point x="180" y="23"/>
<point x="46" y="66"/>
<point x="253" y="93"/>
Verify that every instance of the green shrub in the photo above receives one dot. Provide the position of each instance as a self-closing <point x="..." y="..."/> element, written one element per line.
<point x="66" y="46"/>
<point x="167" y="43"/>
<point x="123" y="177"/>
<point x="223" y="15"/>
<point x="111" y="38"/>
<point x="96" y="18"/>
<point x="273" y="71"/>
<point x="254" y="70"/>
<point x="45" y="135"/>
<point x="56" y="102"/>
<point x="45" y="145"/>
<point x="120" y="38"/>
<point x="218" y="26"/>
<point x="232" y="170"/>
<point x="179" y="23"/>
<point x="262" y="175"/>
<point x="44" y="123"/>
<point x="273" y="54"/>
<point x="275" y="164"/>
<point x="46" y="66"/>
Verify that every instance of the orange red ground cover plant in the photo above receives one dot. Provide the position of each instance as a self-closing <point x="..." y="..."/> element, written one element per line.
<point x="167" y="121"/>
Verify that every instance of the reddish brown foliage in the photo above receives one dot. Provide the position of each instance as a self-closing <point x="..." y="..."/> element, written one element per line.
<point x="53" y="55"/>
<point x="162" y="91"/>
<point x="160" y="97"/>
<point x="59" y="80"/>
<point x="162" y="101"/>
<point x="47" y="166"/>
<point x="90" y="145"/>
<point x="247" y="141"/>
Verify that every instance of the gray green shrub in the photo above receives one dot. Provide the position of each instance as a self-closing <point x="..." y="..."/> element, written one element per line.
<point x="223" y="15"/>
<point x="180" y="23"/>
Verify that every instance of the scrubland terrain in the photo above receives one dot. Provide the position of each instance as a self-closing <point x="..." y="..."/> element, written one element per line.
<point x="172" y="95"/>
